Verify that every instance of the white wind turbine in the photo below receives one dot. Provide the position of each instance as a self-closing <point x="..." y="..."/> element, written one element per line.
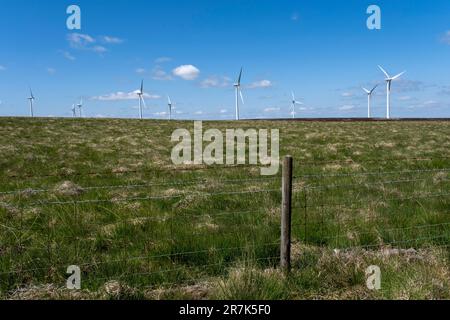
<point x="31" y="98"/>
<point x="74" y="111"/>
<point x="369" y="97"/>
<point x="237" y="86"/>
<point x="140" y="93"/>
<point x="80" y="107"/>
<point x="294" y="102"/>
<point x="169" y="104"/>
<point x="388" y="90"/>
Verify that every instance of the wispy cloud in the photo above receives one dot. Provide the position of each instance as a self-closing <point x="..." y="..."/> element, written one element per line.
<point x="347" y="107"/>
<point x="347" y="94"/>
<point x="446" y="37"/>
<point x="120" y="96"/>
<point x="68" y="55"/>
<point x="158" y="73"/>
<point x="162" y="59"/>
<point x="2" y="68"/>
<point x="82" y="41"/>
<point x="295" y="16"/>
<point x="51" y="71"/>
<point x="215" y="82"/>
<point x="271" y="109"/>
<point x="260" y="84"/>
<point x="186" y="72"/>
<point x="79" y="40"/>
<point x="111" y="40"/>
<point x="140" y="70"/>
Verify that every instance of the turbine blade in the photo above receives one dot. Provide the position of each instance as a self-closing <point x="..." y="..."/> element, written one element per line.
<point x="298" y="102"/>
<point x="169" y="101"/>
<point x="142" y="86"/>
<point x="242" y="97"/>
<point x="373" y="89"/>
<point x="398" y="76"/>
<point x="293" y="96"/>
<point x="367" y="91"/>
<point x="384" y="71"/>
<point x="143" y="102"/>
<point x="240" y="76"/>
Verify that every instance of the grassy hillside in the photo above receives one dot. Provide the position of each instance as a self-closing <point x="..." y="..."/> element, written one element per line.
<point x="104" y="195"/>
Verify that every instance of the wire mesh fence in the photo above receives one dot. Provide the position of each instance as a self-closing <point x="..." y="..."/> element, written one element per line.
<point x="181" y="229"/>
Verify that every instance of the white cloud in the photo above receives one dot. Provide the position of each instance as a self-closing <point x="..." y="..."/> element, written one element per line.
<point x="404" y="98"/>
<point x="223" y="110"/>
<point x="346" y="107"/>
<point x="347" y="94"/>
<point x="164" y="113"/>
<point x="120" y="96"/>
<point x="163" y="59"/>
<point x="198" y="112"/>
<point x="140" y="70"/>
<point x="111" y="40"/>
<point x="215" y="82"/>
<point x="186" y="72"/>
<point x="271" y="109"/>
<point x="260" y="84"/>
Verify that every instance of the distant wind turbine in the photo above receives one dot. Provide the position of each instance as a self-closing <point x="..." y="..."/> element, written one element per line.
<point x="80" y="106"/>
<point x="140" y="93"/>
<point x="388" y="90"/>
<point x="169" y="104"/>
<point x="237" y="86"/>
<point x="31" y="98"/>
<point x="294" y="102"/>
<point x="369" y="96"/>
<point x="74" y="111"/>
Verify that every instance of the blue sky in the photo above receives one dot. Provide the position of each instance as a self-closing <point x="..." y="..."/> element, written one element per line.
<point x="320" y="49"/>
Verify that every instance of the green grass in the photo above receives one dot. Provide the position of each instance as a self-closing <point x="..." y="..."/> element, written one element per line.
<point x="362" y="188"/>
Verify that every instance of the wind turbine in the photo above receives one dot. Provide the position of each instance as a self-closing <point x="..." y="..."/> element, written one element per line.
<point x="388" y="89"/>
<point x="294" y="102"/>
<point x="169" y="103"/>
<point x="369" y="96"/>
<point x="74" y="111"/>
<point x="140" y="93"/>
<point x="31" y="98"/>
<point x="80" y="106"/>
<point x="237" y="86"/>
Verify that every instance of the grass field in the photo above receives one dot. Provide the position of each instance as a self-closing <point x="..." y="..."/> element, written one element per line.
<point x="104" y="195"/>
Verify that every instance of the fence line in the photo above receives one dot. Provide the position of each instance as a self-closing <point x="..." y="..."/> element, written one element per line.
<point x="168" y="255"/>
<point x="373" y="173"/>
<point x="136" y="186"/>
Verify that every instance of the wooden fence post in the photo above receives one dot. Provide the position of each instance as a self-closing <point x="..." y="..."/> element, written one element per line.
<point x="286" y="208"/>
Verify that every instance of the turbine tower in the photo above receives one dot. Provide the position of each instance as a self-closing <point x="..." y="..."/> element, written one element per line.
<point x="388" y="90"/>
<point x="369" y="97"/>
<point x="31" y="98"/>
<point x="169" y="103"/>
<point x="80" y="106"/>
<point x="237" y="86"/>
<point x="140" y="93"/>
<point x="74" y="111"/>
<point x="294" y="102"/>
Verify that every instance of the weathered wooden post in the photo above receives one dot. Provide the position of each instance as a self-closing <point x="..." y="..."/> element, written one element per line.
<point x="286" y="207"/>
